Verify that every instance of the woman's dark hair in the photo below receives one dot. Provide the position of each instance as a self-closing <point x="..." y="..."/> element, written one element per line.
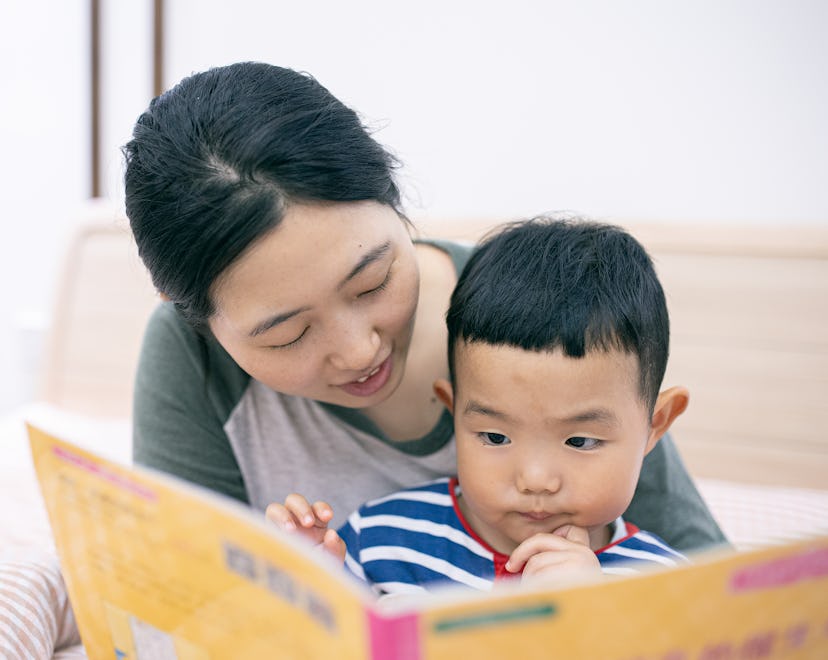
<point x="564" y="283"/>
<point x="214" y="162"/>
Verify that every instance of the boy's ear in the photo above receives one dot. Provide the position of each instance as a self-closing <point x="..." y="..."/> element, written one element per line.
<point x="444" y="392"/>
<point x="669" y="405"/>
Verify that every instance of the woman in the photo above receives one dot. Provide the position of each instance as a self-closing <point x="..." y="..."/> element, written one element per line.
<point x="304" y="327"/>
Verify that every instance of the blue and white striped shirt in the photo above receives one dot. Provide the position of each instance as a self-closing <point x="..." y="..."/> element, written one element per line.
<point x="416" y="538"/>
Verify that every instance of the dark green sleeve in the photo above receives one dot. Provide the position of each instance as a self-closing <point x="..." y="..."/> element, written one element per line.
<point x="459" y="251"/>
<point x="185" y="388"/>
<point x="667" y="503"/>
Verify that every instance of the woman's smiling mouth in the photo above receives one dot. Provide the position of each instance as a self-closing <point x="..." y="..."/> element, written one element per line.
<point x="372" y="382"/>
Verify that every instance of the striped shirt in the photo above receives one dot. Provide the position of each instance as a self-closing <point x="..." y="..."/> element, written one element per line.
<point x="418" y="538"/>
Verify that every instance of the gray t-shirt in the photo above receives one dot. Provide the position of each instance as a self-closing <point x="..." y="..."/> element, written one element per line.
<point x="197" y="415"/>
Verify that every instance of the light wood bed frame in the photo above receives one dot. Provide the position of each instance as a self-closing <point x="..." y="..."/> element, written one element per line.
<point x="749" y="308"/>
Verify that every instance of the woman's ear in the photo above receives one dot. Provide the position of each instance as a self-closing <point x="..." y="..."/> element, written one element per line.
<point x="669" y="405"/>
<point x="444" y="392"/>
<point x="163" y="296"/>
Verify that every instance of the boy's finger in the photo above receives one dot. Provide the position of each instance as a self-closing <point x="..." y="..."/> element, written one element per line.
<point x="573" y="533"/>
<point x="334" y="545"/>
<point x="524" y="551"/>
<point x="537" y="544"/>
<point x="301" y="509"/>
<point x="323" y="512"/>
<point x="279" y="514"/>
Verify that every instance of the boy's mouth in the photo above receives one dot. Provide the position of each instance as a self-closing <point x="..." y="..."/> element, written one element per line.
<point x="536" y="515"/>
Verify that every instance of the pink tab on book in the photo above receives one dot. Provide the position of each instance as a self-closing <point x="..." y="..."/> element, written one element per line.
<point x="781" y="572"/>
<point x="105" y="473"/>
<point x="394" y="637"/>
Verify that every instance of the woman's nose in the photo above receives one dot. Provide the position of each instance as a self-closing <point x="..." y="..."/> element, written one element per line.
<point x="356" y="347"/>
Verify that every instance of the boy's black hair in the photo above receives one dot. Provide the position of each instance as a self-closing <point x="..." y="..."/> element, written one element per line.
<point x="573" y="284"/>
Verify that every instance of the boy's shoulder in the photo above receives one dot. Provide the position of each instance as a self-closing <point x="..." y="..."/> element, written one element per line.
<point x="435" y="493"/>
<point x="631" y="544"/>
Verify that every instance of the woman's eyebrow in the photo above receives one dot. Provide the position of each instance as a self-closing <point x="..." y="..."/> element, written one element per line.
<point x="275" y="320"/>
<point x="367" y="259"/>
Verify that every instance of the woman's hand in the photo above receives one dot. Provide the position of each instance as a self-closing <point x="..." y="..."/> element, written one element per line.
<point x="310" y="521"/>
<point x="560" y="555"/>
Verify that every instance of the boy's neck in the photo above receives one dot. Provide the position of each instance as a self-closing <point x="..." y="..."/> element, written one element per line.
<point x="600" y="537"/>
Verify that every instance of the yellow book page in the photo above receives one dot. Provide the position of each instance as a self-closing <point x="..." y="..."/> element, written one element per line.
<point x="158" y="569"/>
<point x="770" y="603"/>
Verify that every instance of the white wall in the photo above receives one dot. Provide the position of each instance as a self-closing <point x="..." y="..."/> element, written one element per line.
<point x="689" y="111"/>
<point x="44" y="169"/>
<point x="699" y="110"/>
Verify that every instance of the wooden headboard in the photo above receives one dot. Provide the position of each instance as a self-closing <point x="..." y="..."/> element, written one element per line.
<point x="749" y="312"/>
<point x="104" y="298"/>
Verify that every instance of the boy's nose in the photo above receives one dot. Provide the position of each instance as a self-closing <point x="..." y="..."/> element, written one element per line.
<point x="535" y="476"/>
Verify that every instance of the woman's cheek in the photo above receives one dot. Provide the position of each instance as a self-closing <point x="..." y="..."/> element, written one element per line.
<point x="294" y="376"/>
<point x="407" y="295"/>
<point x="279" y="372"/>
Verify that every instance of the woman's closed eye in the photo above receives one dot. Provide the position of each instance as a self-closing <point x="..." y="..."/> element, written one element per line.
<point x="579" y="442"/>
<point x="293" y="342"/>
<point x="493" y="439"/>
<point x="380" y="287"/>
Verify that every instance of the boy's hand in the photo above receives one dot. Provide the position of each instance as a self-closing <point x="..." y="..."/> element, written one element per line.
<point x="309" y="521"/>
<point x="559" y="555"/>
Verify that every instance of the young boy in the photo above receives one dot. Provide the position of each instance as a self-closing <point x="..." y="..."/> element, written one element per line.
<point x="558" y="343"/>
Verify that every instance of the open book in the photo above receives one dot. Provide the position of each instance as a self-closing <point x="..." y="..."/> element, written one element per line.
<point x="158" y="568"/>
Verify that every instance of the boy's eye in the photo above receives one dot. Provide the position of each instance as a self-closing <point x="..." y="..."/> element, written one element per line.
<point x="495" y="439"/>
<point x="583" y="443"/>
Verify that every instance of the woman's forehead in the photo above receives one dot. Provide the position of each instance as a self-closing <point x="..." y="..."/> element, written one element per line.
<point x="313" y="250"/>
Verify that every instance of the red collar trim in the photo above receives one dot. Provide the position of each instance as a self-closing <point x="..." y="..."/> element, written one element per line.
<point x="631" y="530"/>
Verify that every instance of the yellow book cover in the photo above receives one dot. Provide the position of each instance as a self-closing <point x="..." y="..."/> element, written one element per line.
<point x="158" y="568"/>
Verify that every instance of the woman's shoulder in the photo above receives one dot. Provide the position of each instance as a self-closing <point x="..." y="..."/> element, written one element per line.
<point x="172" y="349"/>
<point x="457" y="251"/>
<point x="168" y="335"/>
